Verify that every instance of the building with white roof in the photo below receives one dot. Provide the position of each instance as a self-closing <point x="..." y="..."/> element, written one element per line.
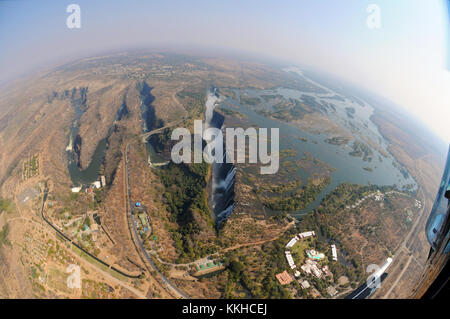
<point x="305" y="284"/>
<point x="311" y="267"/>
<point x="103" y="180"/>
<point x="307" y="234"/>
<point x="290" y="260"/>
<point x="292" y="242"/>
<point x="76" y="189"/>
<point x="334" y="252"/>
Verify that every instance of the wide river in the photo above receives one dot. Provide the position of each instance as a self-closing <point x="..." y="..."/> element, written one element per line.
<point x="385" y="170"/>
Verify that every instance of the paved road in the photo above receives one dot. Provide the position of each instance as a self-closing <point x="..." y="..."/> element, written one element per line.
<point x="363" y="291"/>
<point x="398" y="278"/>
<point x="404" y="245"/>
<point x="134" y="235"/>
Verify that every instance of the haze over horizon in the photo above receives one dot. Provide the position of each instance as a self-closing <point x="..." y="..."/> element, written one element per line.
<point x="403" y="60"/>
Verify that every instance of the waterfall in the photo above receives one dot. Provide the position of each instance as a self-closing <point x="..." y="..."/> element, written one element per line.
<point x="210" y="104"/>
<point x="229" y="180"/>
<point x="223" y="174"/>
<point x="69" y="147"/>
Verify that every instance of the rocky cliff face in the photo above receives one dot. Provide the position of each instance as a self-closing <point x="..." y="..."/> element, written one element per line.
<point x="77" y="150"/>
<point x="222" y="178"/>
<point x="104" y="100"/>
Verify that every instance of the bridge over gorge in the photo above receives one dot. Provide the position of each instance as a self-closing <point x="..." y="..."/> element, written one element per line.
<point x="146" y="135"/>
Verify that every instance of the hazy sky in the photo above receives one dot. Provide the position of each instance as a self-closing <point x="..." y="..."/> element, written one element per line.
<point x="404" y="59"/>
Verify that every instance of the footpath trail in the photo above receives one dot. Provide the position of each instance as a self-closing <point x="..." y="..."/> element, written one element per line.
<point x="237" y="246"/>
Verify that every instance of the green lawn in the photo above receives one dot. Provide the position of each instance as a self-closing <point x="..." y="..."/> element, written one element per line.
<point x="298" y="251"/>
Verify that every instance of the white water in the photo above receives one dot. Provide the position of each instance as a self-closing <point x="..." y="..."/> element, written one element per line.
<point x="70" y="145"/>
<point x="210" y="104"/>
<point x="228" y="181"/>
<point x="219" y="188"/>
